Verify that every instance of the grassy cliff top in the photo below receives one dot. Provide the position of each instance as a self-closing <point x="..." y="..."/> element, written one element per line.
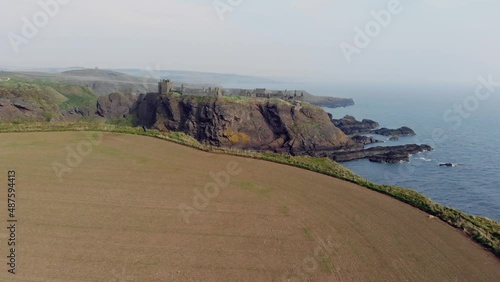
<point x="240" y="100"/>
<point x="42" y="92"/>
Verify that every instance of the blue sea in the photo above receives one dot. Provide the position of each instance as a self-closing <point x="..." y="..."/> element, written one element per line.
<point x="471" y="140"/>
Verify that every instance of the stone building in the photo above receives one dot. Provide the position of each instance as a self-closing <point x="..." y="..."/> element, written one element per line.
<point x="278" y="95"/>
<point x="165" y="86"/>
<point x="217" y="92"/>
<point x="245" y="93"/>
<point x="261" y="93"/>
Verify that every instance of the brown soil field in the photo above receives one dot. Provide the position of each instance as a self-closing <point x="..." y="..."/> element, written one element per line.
<point x="115" y="215"/>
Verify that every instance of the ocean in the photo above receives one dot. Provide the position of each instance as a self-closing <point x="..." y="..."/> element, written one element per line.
<point x="470" y="140"/>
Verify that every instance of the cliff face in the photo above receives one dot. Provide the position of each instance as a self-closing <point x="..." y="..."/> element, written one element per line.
<point x="27" y="105"/>
<point x="244" y="123"/>
<point x="115" y="105"/>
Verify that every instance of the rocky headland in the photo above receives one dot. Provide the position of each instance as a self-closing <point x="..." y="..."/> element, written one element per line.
<point x="243" y="123"/>
<point x="285" y="123"/>
<point x="275" y="125"/>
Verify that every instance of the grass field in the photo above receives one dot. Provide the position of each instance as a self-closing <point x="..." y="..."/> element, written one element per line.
<point x="132" y="208"/>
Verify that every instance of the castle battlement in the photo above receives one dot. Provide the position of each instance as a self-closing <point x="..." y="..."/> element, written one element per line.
<point x="166" y="86"/>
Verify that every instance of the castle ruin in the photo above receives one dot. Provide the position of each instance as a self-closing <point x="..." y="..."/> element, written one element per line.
<point x="166" y="86"/>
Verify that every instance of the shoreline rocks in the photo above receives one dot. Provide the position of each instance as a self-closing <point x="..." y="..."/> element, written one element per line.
<point x="366" y="140"/>
<point x="350" y="126"/>
<point x="391" y="154"/>
<point x="400" y="132"/>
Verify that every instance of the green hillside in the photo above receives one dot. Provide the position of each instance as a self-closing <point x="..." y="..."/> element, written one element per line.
<point x="39" y="100"/>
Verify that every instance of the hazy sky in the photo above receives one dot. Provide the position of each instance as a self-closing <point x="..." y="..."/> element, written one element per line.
<point x="426" y="41"/>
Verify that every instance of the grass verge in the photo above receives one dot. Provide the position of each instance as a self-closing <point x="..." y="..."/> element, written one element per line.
<point x="483" y="230"/>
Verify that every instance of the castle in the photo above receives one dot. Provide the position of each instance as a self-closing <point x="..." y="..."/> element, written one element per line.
<point x="166" y="86"/>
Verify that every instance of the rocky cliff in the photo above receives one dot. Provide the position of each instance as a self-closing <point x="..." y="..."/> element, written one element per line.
<point x="27" y="105"/>
<point x="115" y="105"/>
<point x="244" y="123"/>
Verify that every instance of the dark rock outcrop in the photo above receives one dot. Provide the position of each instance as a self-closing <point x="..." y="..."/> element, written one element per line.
<point x="263" y="125"/>
<point x="403" y="131"/>
<point x="365" y="140"/>
<point x="77" y="111"/>
<point x="392" y="157"/>
<point x="394" y="138"/>
<point x="350" y="126"/>
<point x="393" y="154"/>
<point x="27" y="105"/>
<point x="11" y="110"/>
<point x="115" y="105"/>
<point x="23" y="106"/>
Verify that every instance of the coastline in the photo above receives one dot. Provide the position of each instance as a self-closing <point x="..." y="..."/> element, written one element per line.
<point x="471" y="186"/>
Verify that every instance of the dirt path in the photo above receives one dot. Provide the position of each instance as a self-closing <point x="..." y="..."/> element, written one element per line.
<point x="115" y="217"/>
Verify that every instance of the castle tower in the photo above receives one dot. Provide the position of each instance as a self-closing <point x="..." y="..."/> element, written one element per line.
<point x="165" y="86"/>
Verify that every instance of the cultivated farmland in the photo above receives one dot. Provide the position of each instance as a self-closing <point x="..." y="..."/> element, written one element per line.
<point x="133" y="208"/>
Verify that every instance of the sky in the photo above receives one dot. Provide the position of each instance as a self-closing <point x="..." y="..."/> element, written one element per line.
<point x="418" y="42"/>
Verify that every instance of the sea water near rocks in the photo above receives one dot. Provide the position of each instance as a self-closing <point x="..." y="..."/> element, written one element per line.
<point x="473" y="185"/>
